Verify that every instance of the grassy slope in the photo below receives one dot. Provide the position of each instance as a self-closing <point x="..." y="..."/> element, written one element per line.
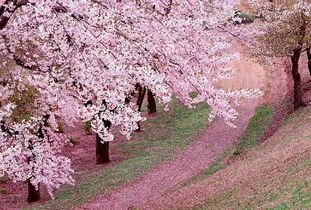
<point x="255" y="129"/>
<point x="275" y="175"/>
<point x="163" y="136"/>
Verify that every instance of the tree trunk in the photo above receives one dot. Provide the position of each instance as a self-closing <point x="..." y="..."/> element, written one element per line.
<point x="297" y="79"/>
<point x="309" y="59"/>
<point x="33" y="194"/>
<point x="141" y="96"/>
<point x="152" y="107"/>
<point x="140" y="100"/>
<point x="102" y="151"/>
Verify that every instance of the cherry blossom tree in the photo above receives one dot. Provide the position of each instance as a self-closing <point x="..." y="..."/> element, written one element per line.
<point x="30" y="143"/>
<point x="162" y="39"/>
<point x="85" y="57"/>
<point x="283" y="29"/>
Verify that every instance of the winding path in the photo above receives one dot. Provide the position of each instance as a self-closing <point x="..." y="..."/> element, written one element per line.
<point x="196" y="157"/>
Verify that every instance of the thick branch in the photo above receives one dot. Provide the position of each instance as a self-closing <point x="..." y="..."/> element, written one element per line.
<point x="4" y="10"/>
<point x="169" y="7"/>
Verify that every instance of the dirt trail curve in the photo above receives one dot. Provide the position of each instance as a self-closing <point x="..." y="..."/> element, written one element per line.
<point x="195" y="158"/>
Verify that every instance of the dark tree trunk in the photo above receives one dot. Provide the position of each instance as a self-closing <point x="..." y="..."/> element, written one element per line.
<point x="141" y="96"/>
<point x="33" y="194"/>
<point x="309" y="59"/>
<point x="152" y="107"/>
<point x="139" y="128"/>
<point x="301" y="33"/>
<point x="140" y="100"/>
<point x="102" y="148"/>
<point x="297" y="79"/>
<point x="102" y="151"/>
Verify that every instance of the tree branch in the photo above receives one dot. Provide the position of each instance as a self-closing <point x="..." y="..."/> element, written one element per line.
<point x="5" y="9"/>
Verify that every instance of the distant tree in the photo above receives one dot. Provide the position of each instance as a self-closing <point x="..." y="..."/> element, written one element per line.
<point x="283" y="29"/>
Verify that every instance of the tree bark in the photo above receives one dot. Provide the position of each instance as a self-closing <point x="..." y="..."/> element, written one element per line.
<point x="33" y="194"/>
<point x="152" y="107"/>
<point x="141" y="96"/>
<point x="309" y="59"/>
<point x="139" y="128"/>
<point x="102" y="151"/>
<point x="140" y="100"/>
<point x="297" y="79"/>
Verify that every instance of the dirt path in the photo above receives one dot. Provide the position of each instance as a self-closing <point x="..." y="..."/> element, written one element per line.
<point x="195" y="158"/>
<point x="249" y="182"/>
<point x="182" y="167"/>
<point x="278" y="89"/>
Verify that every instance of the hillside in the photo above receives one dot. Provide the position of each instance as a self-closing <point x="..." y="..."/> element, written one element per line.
<point x="274" y="175"/>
